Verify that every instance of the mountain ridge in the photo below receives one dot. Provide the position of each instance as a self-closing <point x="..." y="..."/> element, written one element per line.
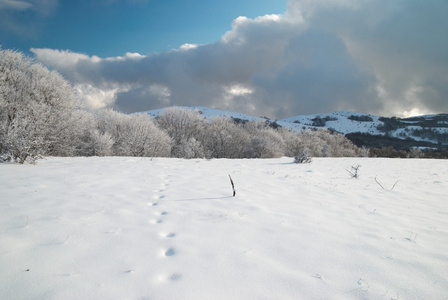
<point x="372" y="131"/>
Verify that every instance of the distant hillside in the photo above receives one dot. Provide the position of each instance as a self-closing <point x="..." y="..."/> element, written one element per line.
<point x="429" y="131"/>
<point x="375" y="131"/>
<point x="209" y="113"/>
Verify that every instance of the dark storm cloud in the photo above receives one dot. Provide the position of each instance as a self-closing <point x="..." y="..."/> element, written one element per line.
<point x="322" y="77"/>
<point x="373" y="56"/>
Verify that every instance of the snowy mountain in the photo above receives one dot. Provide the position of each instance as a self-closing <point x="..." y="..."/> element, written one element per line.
<point x="363" y="129"/>
<point x="376" y="131"/>
<point x="209" y="113"/>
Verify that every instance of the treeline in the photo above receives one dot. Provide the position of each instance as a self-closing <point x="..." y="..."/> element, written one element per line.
<point x="431" y="134"/>
<point x="40" y="115"/>
<point x="391" y="152"/>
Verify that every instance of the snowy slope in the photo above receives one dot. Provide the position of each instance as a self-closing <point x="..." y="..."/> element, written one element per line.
<point x="341" y="124"/>
<point x="339" y="121"/>
<point x="140" y="228"/>
<point x="350" y="122"/>
<point x="209" y="113"/>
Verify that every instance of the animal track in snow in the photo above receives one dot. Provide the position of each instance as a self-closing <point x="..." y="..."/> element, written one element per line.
<point x="160" y="214"/>
<point x="159" y="192"/>
<point x="167" y="235"/>
<point x="163" y="213"/>
<point x="169" y="252"/>
<point x="159" y="221"/>
<point x="172" y="277"/>
<point x="175" y="277"/>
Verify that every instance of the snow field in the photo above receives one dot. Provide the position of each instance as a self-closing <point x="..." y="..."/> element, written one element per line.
<point x="165" y="228"/>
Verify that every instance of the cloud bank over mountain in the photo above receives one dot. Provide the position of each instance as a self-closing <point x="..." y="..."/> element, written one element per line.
<point x="374" y="56"/>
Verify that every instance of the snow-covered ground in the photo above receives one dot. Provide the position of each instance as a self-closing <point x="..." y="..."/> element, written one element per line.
<point x="164" y="228"/>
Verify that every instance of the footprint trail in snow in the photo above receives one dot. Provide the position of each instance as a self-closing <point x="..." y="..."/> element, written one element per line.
<point x="169" y="251"/>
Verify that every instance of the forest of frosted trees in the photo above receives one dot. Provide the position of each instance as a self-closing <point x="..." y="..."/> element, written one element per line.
<point x="40" y="115"/>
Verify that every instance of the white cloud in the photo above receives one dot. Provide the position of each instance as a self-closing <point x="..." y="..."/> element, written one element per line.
<point x="62" y="59"/>
<point x="413" y="112"/>
<point x="127" y="56"/>
<point x="15" y="5"/>
<point x="238" y="90"/>
<point x="11" y="22"/>
<point x="187" y="46"/>
<point x="159" y="90"/>
<point x="243" y="28"/>
<point x="134" y="55"/>
<point x="94" y="97"/>
<point x="373" y="56"/>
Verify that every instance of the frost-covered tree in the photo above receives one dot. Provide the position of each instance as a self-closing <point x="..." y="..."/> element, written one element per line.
<point x="36" y="110"/>
<point x="225" y="139"/>
<point x="265" y="142"/>
<point x="133" y="135"/>
<point x="320" y="143"/>
<point x="293" y="143"/>
<point x="189" y="148"/>
<point x="143" y="138"/>
<point x="101" y="143"/>
<point x="335" y="144"/>
<point x="110" y="121"/>
<point x="184" y="126"/>
<point x="92" y="141"/>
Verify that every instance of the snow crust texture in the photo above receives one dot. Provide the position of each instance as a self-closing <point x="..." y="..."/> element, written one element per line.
<point x="164" y="228"/>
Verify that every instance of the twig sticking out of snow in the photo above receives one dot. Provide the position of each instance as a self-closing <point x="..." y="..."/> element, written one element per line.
<point x="382" y="185"/>
<point x="379" y="183"/>
<point x="412" y="237"/>
<point x="233" y="186"/>
<point x="394" y="185"/>
<point x="354" y="172"/>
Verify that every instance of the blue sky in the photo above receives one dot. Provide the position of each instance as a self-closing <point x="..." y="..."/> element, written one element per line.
<point x="275" y="58"/>
<point x="114" y="27"/>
